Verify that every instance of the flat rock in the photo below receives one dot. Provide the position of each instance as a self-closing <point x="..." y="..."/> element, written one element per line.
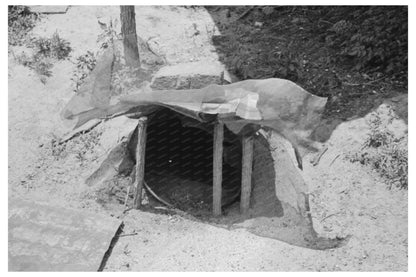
<point x="49" y="9"/>
<point x="49" y="238"/>
<point x="193" y="75"/>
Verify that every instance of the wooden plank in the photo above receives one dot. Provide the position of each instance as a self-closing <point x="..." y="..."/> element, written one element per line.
<point x="247" y="167"/>
<point x="217" y="168"/>
<point x="140" y="160"/>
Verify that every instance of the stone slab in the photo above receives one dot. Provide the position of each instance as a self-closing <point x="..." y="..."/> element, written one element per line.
<point x="49" y="238"/>
<point x="49" y="9"/>
<point x="192" y="75"/>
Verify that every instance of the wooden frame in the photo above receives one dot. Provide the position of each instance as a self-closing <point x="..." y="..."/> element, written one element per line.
<point x="217" y="168"/>
<point x="140" y="160"/>
<point x="246" y="170"/>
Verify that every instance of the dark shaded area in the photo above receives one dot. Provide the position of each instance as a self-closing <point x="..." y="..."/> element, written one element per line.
<point x="264" y="201"/>
<point x="179" y="162"/>
<point x="354" y="55"/>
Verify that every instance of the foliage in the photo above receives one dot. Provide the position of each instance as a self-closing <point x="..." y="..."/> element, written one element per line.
<point x="20" y="22"/>
<point x="41" y="65"/>
<point x="341" y="52"/>
<point x="84" y="65"/>
<point x="370" y="38"/>
<point x="82" y="146"/>
<point x="386" y="153"/>
<point x="54" y="47"/>
<point x="109" y="33"/>
<point x="85" y="144"/>
<point x="45" y="51"/>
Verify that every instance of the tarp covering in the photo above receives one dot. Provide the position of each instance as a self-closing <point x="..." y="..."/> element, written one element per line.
<point x="277" y="106"/>
<point x="275" y="103"/>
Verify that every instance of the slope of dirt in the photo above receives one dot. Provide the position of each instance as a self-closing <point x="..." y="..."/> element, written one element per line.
<point x="346" y="198"/>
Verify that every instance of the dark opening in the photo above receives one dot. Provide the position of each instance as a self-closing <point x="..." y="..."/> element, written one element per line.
<point x="179" y="162"/>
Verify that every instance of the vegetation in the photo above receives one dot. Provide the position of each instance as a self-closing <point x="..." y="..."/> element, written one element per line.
<point x="55" y="47"/>
<point x="85" y="64"/>
<point x="45" y="51"/>
<point x="109" y="34"/>
<point x="386" y="153"/>
<point x="81" y="146"/>
<point x="41" y="65"/>
<point x="346" y="53"/>
<point x="20" y="21"/>
<point x="372" y="39"/>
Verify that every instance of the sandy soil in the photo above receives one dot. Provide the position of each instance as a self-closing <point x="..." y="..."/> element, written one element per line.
<point x="347" y="198"/>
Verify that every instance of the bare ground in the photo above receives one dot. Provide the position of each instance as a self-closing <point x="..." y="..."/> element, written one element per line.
<point x="347" y="198"/>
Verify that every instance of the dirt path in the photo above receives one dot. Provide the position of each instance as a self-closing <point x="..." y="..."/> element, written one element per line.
<point x="346" y="198"/>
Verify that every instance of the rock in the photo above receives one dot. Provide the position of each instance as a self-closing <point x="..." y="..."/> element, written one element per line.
<point x="258" y="24"/>
<point x="49" y="9"/>
<point x="268" y="10"/>
<point x="192" y="75"/>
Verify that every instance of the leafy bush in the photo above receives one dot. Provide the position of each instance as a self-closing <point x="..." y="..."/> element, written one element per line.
<point x="372" y="37"/>
<point x="20" y="22"/>
<point x="54" y="47"/>
<point x="342" y="52"/>
<point x="45" y="50"/>
<point x="41" y="65"/>
<point x="85" y="64"/>
<point x="386" y="153"/>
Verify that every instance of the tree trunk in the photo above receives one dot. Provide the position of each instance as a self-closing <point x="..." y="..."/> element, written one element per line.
<point x="128" y="29"/>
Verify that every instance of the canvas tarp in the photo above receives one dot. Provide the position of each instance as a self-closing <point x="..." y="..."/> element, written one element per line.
<point x="272" y="103"/>
<point x="280" y="107"/>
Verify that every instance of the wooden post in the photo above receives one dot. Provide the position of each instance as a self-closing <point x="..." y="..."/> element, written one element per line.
<point x="247" y="167"/>
<point x="217" y="168"/>
<point x="128" y="29"/>
<point x="140" y="160"/>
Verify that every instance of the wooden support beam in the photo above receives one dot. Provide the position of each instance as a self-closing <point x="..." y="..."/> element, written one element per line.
<point x="247" y="167"/>
<point x="217" y="168"/>
<point x="140" y="160"/>
<point x="128" y="29"/>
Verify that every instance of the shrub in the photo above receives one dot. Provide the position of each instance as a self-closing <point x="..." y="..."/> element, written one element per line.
<point x="372" y="38"/>
<point x="45" y="50"/>
<point x="20" y="22"/>
<point x="386" y="153"/>
<point x="41" y="65"/>
<point x="54" y="47"/>
<point x="85" y="64"/>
